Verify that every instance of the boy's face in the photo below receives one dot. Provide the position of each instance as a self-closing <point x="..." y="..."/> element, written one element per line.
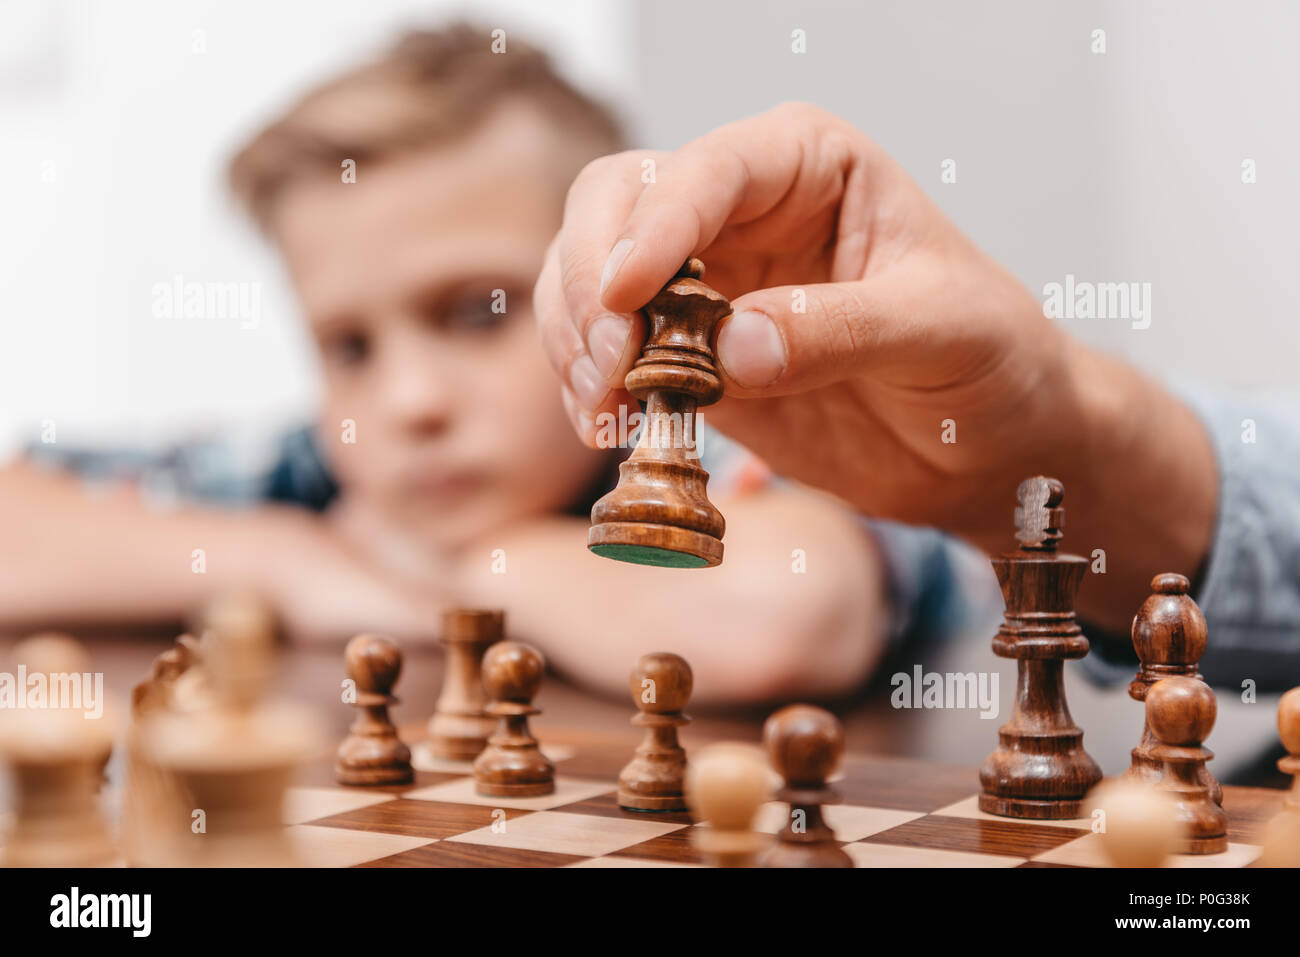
<point x="459" y="425"/>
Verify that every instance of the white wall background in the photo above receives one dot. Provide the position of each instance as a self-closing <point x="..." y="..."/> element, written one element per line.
<point x="1124" y="166"/>
<point x="114" y="133"/>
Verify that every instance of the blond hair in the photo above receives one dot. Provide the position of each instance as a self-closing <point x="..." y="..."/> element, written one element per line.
<point x="430" y="87"/>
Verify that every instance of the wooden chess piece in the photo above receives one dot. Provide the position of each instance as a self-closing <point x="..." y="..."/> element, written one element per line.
<point x="55" y="749"/>
<point x="459" y="728"/>
<point x="1039" y="769"/>
<point x="659" y="513"/>
<point x="63" y="662"/>
<point x="1282" y="836"/>
<point x="805" y="745"/>
<point x="1181" y="712"/>
<point x="1169" y="635"/>
<point x="1140" y="823"/>
<point x="512" y="764"/>
<point x="725" y="786"/>
<point x="155" y="807"/>
<point x="654" y="779"/>
<point x="372" y="753"/>
<point x="235" y="759"/>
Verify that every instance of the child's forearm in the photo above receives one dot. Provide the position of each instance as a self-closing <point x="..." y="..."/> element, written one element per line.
<point x="766" y="622"/>
<point x="68" y="555"/>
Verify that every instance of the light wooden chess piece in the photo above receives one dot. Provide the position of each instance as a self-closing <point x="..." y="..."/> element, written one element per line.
<point x="56" y="752"/>
<point x="235" y="760"/>
<point x="1140" y="823"/>
<point x="805" y="745"/>
<point x="512" y="764"/>
<point x="1181" y="712"/>
<point x="653" y="781"/>
<point x="154" y="798"/>
<point x="1282" y="835"/>
<point x="725" y="786"/>
<point x="1039" y="769"/>
<point x="372" y="753"/>
<point x="63" y="661"/>
<point x="460" y="725"/>
<point x="1169" y="636"/>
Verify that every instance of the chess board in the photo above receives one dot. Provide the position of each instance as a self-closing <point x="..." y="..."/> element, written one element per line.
<point x="894" y="813"/>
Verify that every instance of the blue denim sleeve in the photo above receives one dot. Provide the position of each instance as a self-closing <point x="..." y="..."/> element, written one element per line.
<point x="1251" y="589"/>
<point x="1250" y="586"/>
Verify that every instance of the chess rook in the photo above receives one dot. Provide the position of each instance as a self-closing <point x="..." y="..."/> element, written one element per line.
<point x="725" y="786"/>
<point x="659" y="513"/>
<point x="1039" y="769"/>
<point x="460" y="726"/>
<point x="805" y="745"/>
<point x="1180" y="713"/>
<point x="1169" y="636"/>
<point x="654" y="780"/>
<point x="372" y="753"/>
<point x="512" y="764"/>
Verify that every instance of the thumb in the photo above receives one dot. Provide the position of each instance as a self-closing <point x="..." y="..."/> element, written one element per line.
<point x="790" y="339"/>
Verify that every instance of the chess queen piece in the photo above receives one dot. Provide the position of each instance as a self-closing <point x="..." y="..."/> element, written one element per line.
<point x="459" y="728"/>
<point x="1180" y="713"/>
<point x="372" y="753"/>
<point x="659" y="513"/>
<point x="1039" y="769"/>
<point x="512" y="764"/>
<point x="654" y="780"/>
<point x="1169" y="636"/>
<point x="805" y="745"/>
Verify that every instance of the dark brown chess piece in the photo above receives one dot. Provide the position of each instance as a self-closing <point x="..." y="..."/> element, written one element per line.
<point x="372" y="753"/>
<point x="1039" y="769"/>
<point x="512" y="764"/>
<point x="659" y="513"/>
<point x="805" y="745"/>
<point x="653" y="781"/>
<point x="1169" y="635"/>
<point x="1180" y="713"/>
<point x="459" y="728"/>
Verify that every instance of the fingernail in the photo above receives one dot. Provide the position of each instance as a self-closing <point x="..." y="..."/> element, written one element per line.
<point x="606" y="342"/>
<point x="588" y="385"/>
<point x="751" y="350"/>
<point x="617" y="256"/>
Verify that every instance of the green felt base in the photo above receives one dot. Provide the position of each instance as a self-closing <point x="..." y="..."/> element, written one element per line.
<point x="648" y="555"/>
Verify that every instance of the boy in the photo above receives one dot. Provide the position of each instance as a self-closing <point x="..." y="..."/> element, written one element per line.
<point x="450" y="476"/>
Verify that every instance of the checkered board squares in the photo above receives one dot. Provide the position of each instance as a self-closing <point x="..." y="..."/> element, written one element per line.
<point x="442" y="821"/>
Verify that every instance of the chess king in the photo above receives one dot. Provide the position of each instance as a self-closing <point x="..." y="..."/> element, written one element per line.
<point x="1039" y="769"/>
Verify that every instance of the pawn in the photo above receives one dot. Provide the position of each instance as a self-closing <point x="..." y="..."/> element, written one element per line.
<point x="56" y="754"/>
<point x="1169" y="636"/>
<point x="1142" y="827"/>
<point x="372" y="753"/>
<point x="1282" y="836"/>
<point x="512" y="764"/>
<point x="725" y="786"/>
<point x="805" y="745"/>
<point x="1181" y="712"/>
<point x="59" y="657"/>
<point x="654" y="780"/>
